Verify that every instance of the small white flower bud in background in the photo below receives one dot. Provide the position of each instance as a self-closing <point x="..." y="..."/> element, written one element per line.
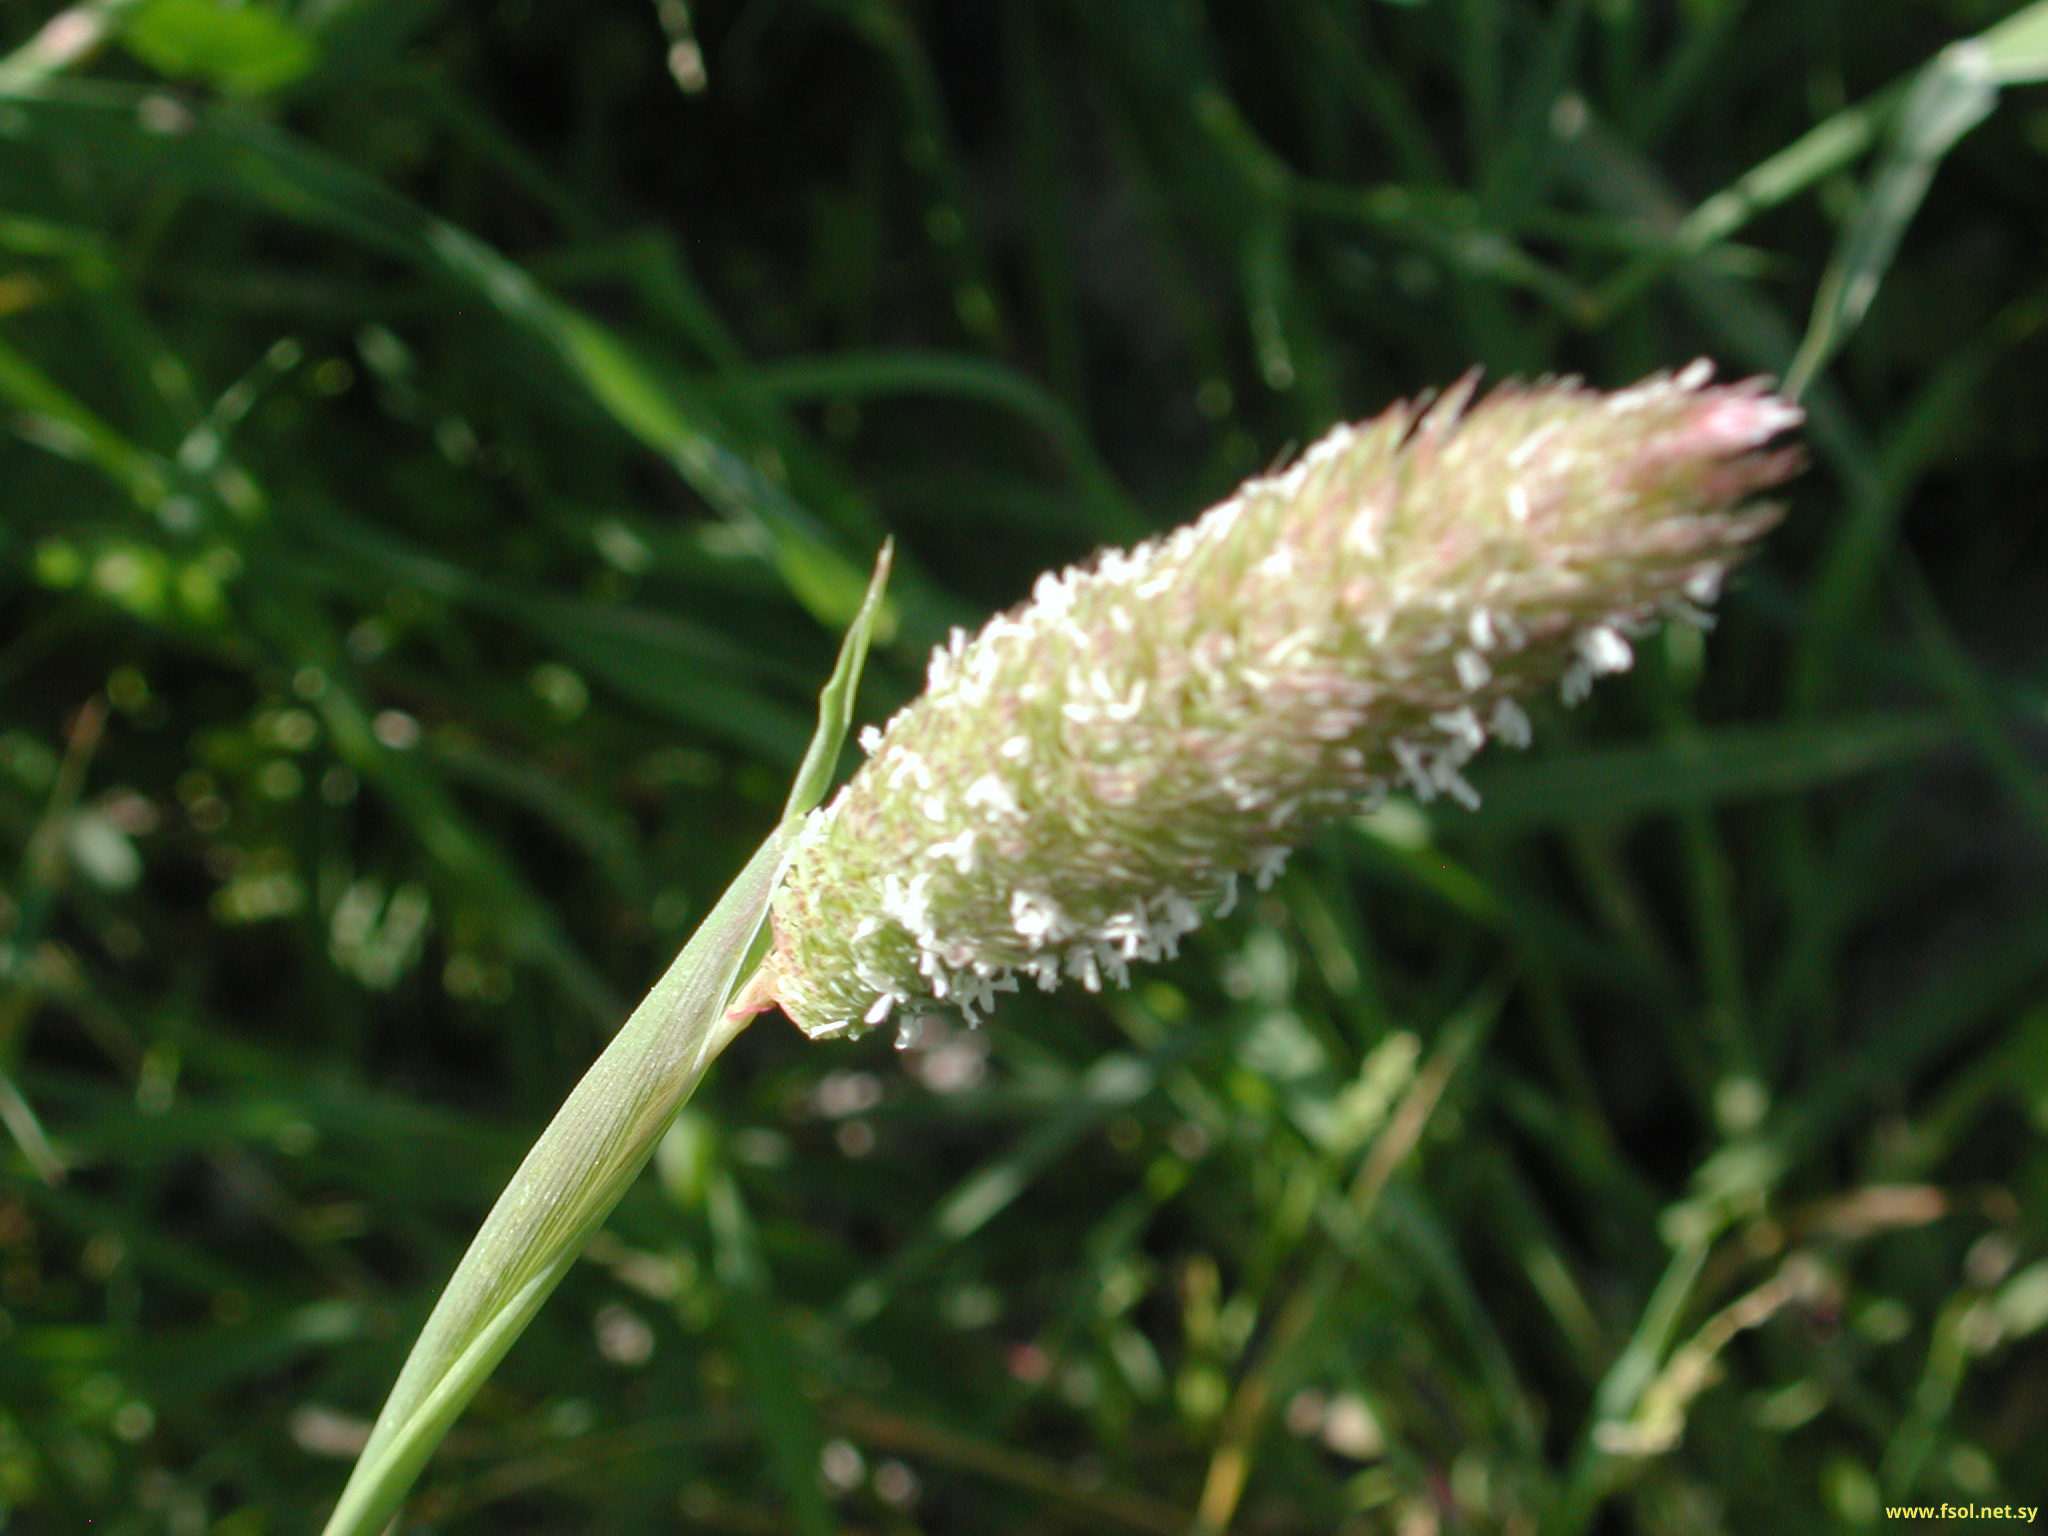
<point x="1095" y="772"/>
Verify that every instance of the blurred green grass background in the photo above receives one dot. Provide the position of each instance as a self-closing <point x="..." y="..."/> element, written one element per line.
<point x="444" y="442"/>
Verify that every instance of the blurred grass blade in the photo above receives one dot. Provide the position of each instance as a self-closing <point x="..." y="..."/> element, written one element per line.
<point x="465" y="853"/>
<point x="54" y="419"/>
<point x="1745" y="324"/>
<point x="1992" y="973"/>
<point x="1976" y="697"/>
<point x="356" y="36"/>
<point x="1112" y="1085"/>
<point x="72" y="35"/>
<point x="685" y="670"/>
<point x="1100" y="1504"/>
<point x="241" y="50"/>
<point x="2018" y="46"/>
<point x="821" y="578"/>
<point x="2015" y="53"/>
<point x="1951" y="96"/>
<point x="768" y="1359"/>
<point x="608" y="839"/>
<point x="593" y="1148"/>
<point x="1865" y="538"/>
<point x="1731" y="763"/>
<point x="238" y="157"/>
<point x="1824" y="148"/>
<point x="1293" y="1319"/>
<point x="852" y="375"/>
<point x="19" y="1116"/>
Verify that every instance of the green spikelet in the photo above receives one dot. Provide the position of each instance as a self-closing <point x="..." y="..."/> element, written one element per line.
<point x="1090" y="776"/>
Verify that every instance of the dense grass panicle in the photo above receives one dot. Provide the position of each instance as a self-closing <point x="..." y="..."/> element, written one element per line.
<point x="444" y="447"/>
<point x="1085" y="779"/>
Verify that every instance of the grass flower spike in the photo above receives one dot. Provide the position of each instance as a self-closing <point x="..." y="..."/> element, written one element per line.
<point x="1095" y="772"/>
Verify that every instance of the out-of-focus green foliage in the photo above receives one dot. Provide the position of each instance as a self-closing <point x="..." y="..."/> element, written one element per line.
<point x="443" y="445"/>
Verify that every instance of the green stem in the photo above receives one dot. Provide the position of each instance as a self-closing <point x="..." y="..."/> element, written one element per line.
<point x="584" y="1161"/>
<point x="598" y="1141"/>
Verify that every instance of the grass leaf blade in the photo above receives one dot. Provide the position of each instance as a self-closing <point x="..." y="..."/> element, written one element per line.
<point x="595" y="1145"/>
